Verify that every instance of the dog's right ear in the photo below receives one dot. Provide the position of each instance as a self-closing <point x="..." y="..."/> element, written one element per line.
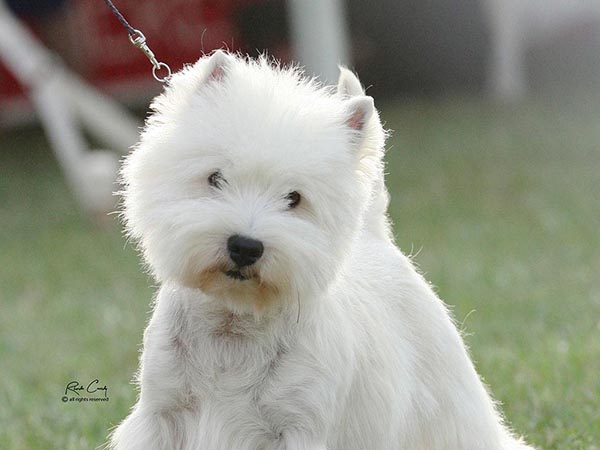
<point x="216" y="66"/>
<point x="359" y="112"/>
<point x="348" y="84"/>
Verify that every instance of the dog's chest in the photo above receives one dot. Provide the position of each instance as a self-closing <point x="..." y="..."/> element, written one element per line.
<point x="226" y="374"/>
<point x="225" y="358"/>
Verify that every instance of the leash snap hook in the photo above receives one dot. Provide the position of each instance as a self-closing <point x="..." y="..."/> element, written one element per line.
<point x="138" y="39"/>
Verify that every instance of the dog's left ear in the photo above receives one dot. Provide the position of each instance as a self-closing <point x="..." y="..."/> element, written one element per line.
<point x="348" y="84"/>
<point x="359" y="112"/>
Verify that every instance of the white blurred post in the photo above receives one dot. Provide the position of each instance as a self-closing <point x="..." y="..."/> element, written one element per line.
<point x="320" y="36"/>
<point x="507" y="76"/>
<point x="64" y="103"/>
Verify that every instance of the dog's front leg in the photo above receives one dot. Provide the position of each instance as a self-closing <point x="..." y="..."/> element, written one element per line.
<point x="139" y="431"/>
<point x="147" y="428"/>
<point x="309" y="396"/>
<point x="165" y="417"/>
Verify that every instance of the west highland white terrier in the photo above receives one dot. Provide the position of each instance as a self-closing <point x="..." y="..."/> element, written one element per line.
<point x="286" y="317"/>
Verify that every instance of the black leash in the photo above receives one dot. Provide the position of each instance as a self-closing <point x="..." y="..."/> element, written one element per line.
<point x="137" y="38"/>
<point x="122" y="19"/>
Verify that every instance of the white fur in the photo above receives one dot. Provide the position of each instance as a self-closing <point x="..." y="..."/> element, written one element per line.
<point x="336" y="342"/>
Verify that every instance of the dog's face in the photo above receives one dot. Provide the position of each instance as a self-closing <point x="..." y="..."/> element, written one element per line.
<point x="249" y="183"/>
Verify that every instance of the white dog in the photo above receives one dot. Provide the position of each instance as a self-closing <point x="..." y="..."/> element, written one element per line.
<point x="286" y="319"/>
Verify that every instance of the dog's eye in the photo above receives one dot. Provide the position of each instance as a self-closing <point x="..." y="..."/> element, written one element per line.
<point x="216" y="180"/>
<point x="293" y="199"/>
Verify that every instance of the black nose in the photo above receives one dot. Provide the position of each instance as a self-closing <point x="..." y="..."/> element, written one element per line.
<point x="244" y="251"/>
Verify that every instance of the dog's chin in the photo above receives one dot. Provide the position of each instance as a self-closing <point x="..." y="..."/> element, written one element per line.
<point x="241" y="289"/>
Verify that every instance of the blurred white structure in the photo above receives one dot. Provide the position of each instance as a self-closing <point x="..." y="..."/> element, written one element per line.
<point x="320" y="36"/>
<point x="517" y="25"/>
<point x="63" y="103"/>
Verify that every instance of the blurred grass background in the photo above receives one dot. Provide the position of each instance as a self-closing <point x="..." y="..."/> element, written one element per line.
<point x="499" y="205"/>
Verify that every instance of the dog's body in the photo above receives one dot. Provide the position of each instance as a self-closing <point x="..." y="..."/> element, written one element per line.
<point x="326" y="338"/>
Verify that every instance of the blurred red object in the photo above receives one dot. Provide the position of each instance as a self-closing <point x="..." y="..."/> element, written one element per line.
<point x="94" y="43"/>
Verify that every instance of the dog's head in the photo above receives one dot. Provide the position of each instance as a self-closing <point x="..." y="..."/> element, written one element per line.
<point x="250" y="182"/>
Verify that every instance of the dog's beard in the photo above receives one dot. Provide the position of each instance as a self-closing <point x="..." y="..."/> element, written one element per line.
<point x="237" y="287"/>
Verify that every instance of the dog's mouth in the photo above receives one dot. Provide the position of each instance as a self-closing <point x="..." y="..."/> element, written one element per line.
<point x="236" y="275"/>
<point x="239" y="285"/>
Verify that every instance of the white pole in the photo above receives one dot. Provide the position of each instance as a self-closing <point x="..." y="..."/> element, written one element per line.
<point x="19" y="50"/>
<point x="506" y="70"/>
<point x="320" y="36"/>
<point x="62" y="100"/>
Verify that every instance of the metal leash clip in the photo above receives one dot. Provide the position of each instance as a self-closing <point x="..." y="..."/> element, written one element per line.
<point x="139" y="40"/>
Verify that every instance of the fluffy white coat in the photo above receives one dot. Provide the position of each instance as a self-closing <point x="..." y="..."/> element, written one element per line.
<point x="334" y="341"/>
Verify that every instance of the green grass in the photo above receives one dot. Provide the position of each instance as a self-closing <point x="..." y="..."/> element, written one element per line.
<point x="501" y="205"/>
